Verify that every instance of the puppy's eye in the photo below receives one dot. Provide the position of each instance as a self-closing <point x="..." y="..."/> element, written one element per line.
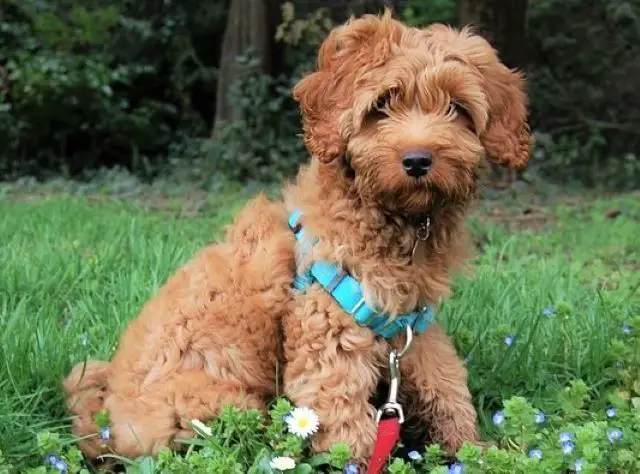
<point x="383" y="103"/>
<point x="381" y="107"/>
<point x="456" y="109"/>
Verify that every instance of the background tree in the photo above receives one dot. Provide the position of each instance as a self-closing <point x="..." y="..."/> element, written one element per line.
<point x="502" y="23"/>
<point x="247" y="31"/>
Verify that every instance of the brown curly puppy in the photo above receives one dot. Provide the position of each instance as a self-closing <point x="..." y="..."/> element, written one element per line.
<point x="398" y="121"/>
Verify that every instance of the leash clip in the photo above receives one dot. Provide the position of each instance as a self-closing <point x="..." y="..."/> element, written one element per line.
<point x="392" y="407"/>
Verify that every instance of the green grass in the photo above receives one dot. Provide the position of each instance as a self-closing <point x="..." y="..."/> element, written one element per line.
<point x="73" y="272"/>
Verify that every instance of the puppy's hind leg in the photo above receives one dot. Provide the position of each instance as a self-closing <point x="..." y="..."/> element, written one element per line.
<point x="159" y="416"/>
<point x="201" y="397"/>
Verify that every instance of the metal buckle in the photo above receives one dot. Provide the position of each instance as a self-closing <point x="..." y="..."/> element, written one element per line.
<point x="392" y="407"/>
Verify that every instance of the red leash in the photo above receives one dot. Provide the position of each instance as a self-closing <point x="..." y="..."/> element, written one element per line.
<point x="388" y="436"/>
<point x="389" y="428"/>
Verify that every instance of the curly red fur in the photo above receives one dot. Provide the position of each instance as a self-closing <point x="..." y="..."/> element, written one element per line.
<point x="209" y="337"/>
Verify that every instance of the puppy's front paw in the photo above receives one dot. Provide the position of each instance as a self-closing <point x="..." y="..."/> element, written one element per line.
<point x="359" y="436"/>
<point x="452" y="434"/>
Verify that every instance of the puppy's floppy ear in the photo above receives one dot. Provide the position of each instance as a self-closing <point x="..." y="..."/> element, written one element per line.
<point x="316" y="95"/>
<point x="322" y="98"/>
<point x="507" y="136"/>
<point x="327" y="94"/>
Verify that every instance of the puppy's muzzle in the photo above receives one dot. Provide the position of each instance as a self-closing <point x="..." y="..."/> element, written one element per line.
<point x="417" y="163"/>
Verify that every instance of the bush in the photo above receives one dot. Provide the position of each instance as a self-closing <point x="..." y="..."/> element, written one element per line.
<point x="583" y="79"/>
<point x="420" y="13"/>
<point x="84" y="87"/>
<point x="265" y="145"/>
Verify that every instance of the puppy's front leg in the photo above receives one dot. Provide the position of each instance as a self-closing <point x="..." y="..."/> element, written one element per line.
<point x="435" y="372"/>
<point x="333" y="368"/>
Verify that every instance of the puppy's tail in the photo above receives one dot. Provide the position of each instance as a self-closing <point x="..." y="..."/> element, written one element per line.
<point x="86" y="387"/>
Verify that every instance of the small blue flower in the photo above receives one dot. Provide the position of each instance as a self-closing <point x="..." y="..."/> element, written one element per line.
<point x="468" y="359"/>
<point x="627" y="329"/>
<point x="51" y="459"/>
<point x="540" y="418"/>
<point x="105" y="434"/>
<point x="549" y="312"/>
<point x="84" y="340"/>
<point x="614" y="434"/>
<point x="508" y="340"/>
<point x="498" y="418"/>
<point x="61" y="466"/>
<point x="566" y="436"/>
<point x="351" y="469"/>
<point x="611" y="412"/>
<point x="535" y="453"/>
<point x="620" y="365"/>
<point x="456" y="468"/>
<point x="578" y="465"/>
<point x="568" y="447"/>
<point x="287" y="417"/>
<point x="414" y="455"/>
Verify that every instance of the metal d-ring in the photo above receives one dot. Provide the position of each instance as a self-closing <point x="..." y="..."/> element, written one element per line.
<point x="392" y="407"/>
<point x="407" y="343"/>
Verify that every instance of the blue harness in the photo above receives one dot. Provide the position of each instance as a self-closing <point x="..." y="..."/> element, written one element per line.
<point x="347" y="292"/>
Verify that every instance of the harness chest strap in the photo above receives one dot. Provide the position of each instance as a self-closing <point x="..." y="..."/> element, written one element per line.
<point x="347" y="291"/>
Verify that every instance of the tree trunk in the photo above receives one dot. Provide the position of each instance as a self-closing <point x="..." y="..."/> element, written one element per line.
<point x="247" y="28"/>
<point x="502" y="23"/>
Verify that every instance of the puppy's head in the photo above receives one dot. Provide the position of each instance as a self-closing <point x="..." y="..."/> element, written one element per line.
<point x="412" y="112"/>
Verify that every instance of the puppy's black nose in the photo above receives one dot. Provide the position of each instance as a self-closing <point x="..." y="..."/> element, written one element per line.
<point x="417" y="163"/>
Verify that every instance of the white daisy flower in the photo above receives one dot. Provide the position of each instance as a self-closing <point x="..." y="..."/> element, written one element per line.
<point x="201" y="428"/>
<point x="303" y="422"/>
<point x="283" y="463"/>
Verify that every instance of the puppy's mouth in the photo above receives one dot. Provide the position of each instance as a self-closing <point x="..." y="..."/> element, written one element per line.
<point x="406" y="197"/>
<point x="410" y="204"/>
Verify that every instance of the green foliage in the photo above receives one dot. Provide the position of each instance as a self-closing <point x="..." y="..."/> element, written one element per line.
<point x="84" y="86"/>
<point x="239" y="442"/>
<point x="583" y="79"/>
<point x="246" y="442"/>
<point x="264" y="145"/>
<point x="306" y="33"/>
<point x="420" y="13"/>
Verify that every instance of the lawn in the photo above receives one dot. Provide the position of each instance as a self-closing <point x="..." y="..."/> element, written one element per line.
<point x="546" y="306"/>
